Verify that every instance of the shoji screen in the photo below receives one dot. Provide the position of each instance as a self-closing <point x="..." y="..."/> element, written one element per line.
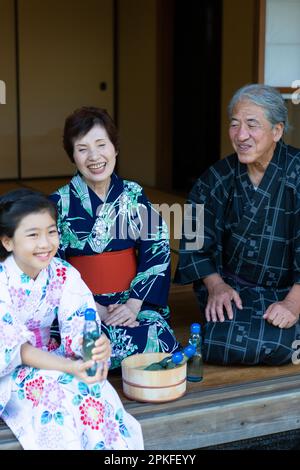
<point x="65" y="52"/>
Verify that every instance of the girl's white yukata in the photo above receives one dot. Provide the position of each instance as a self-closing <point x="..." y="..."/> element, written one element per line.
<point x="48" y="409"/>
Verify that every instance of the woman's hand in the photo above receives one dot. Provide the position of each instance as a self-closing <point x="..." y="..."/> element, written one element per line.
<point x="124" y="314"/>
<point x="220" y="296"/>
<point x="78" y="368"/>
<point x="279" y="314"/>
<point x="102" y="312"/>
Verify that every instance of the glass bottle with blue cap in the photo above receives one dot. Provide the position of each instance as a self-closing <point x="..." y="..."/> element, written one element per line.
<point x="195" y="363"/>
<point x="91" y="332"/>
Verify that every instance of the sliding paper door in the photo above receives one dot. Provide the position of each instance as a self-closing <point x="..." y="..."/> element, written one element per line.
<point x="65" y="61"/>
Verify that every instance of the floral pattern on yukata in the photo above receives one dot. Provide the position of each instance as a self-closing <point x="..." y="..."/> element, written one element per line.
<point x="48" y="409"/>
<point x="126" y="219"/>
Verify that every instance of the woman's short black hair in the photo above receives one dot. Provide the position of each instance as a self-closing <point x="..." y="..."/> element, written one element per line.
<point x="81" y="121"/>
<point x="17" y="204"/>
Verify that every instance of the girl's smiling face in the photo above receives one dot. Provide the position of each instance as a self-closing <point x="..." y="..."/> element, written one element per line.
<point x="34" y="242"/>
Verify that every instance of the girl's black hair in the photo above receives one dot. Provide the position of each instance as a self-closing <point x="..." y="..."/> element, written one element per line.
<point x="17" y="204"/>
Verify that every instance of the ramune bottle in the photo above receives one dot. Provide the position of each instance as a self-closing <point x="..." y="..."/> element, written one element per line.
<point x="181" y="357"/>
<point x="91" y="333"/>
<point x="170" y="362"/>
<point x="195" y="363"/>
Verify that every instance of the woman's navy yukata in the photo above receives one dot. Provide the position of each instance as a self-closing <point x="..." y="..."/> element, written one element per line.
<point x="87" y="225"/>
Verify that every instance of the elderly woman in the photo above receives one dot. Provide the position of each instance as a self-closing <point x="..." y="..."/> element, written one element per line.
<point x="110" y="232"/>
<point x="246" y="274"/>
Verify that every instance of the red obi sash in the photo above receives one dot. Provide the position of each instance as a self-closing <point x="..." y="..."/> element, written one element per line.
<point x="107" y="272"/>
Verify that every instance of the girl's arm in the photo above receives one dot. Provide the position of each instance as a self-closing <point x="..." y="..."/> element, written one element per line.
<point x="34" y="357"/>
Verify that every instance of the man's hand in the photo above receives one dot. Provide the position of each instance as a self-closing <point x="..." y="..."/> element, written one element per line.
<point x="279" y="314"/>
<point x="220" y="296"/>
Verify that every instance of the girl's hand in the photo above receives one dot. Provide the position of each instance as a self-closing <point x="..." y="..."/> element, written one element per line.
<point x="102" y="349"/>
<point x="78" y="368"/>
<point x="121" y="315"/>
<point x="100" y="354"/>
<point x="279" y="314"/>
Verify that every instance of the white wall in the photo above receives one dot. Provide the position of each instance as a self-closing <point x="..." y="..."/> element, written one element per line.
<point x="282" y="46"/>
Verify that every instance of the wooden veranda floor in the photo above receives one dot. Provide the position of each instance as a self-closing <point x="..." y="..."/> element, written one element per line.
<point x="230" y="404"/>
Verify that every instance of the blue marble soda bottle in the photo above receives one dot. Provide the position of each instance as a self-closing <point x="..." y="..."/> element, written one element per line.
<point x="195" y="363"/>
<point x="176" y="359"/>
<point x="91" y="333"/>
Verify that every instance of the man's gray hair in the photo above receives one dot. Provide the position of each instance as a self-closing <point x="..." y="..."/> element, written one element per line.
<point x="265" y="96"/>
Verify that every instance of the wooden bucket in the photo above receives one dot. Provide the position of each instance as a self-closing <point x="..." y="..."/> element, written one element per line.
<point x="154" y="386"/>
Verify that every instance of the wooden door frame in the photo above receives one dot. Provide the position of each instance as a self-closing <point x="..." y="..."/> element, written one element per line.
<point x="164" y="94"/>
<point x="260" y="35"/>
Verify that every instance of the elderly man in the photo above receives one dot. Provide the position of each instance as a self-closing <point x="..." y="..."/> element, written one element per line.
<point x="247" y="273"/>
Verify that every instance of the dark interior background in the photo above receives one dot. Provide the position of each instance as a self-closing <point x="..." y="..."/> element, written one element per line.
<point x="196" y="89"/>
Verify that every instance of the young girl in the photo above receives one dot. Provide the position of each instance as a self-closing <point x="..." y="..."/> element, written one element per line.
<point x="46" y="396"/>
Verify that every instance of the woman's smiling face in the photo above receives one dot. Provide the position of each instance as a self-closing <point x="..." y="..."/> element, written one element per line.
<point x="95" y="156"/>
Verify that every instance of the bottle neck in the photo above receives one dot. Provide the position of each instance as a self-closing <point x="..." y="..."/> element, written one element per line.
<point x="91" y="325"/>
<point x="196" y="340"/>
